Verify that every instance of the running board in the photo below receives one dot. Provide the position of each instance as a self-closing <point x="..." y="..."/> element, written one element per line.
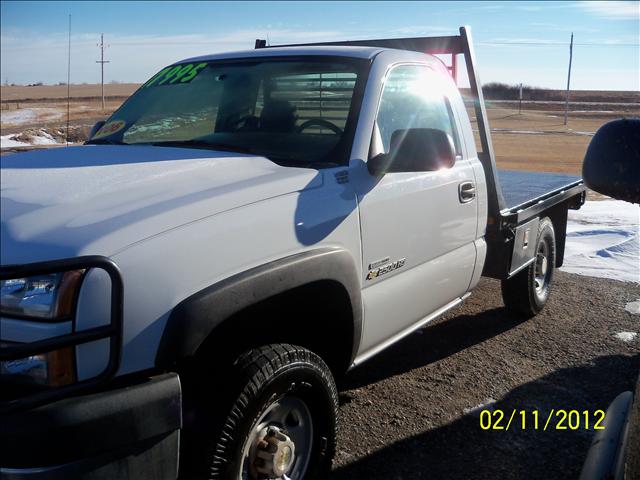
<point x="363" y="357"/>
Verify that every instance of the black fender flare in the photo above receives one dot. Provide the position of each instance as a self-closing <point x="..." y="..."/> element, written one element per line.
<point x="195" y="318"/>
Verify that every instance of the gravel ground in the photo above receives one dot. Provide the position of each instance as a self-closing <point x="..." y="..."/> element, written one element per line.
<point x="405" y="413"/>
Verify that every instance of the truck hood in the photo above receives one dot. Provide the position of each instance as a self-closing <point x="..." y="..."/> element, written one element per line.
<point x="99" y="199"/>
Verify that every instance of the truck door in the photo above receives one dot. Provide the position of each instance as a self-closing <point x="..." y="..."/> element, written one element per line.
<point x="418" y="228"/>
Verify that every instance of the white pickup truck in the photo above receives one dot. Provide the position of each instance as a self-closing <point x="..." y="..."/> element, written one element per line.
<point x="241" y="231"/>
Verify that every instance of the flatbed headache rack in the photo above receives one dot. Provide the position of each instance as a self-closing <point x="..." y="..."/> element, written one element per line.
<point x="453" y="46"/>
<point x="503" y="220"/>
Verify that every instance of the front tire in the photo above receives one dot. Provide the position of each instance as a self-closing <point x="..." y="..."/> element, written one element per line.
<point x="527" y="292"/>
<point x="283" y="420"/>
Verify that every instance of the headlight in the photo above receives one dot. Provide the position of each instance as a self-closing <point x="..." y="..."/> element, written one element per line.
<point x="44" y="297"/>
<point x="51" y="369"/>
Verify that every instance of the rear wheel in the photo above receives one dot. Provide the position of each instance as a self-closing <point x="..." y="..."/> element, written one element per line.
<point x="527" y="292"/>
<point x="282" y="421"/>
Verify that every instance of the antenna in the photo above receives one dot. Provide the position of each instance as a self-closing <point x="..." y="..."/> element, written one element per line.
<point x="102" y="61"/>
<point x="68" y="81"/>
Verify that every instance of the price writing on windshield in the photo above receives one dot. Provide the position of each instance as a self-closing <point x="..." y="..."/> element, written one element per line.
<point x="175" y="74"/>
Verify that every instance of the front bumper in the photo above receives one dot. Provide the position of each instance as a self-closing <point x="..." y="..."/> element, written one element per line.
<point x="132" y="431"/>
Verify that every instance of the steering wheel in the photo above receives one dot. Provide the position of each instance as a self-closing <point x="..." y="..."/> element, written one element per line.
<point x="235" y="122"/>
<point x="320" y="122"/>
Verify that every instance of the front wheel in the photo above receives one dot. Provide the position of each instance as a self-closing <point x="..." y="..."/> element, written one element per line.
<point x="282" y="424"/>
<point x="527" y="292"/>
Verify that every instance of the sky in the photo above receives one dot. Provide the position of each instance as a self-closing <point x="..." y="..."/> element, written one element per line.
<point x="516" y="42"/>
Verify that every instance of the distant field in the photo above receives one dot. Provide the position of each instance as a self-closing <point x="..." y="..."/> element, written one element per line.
<point x="55" y="92"/>
<point x="535" y="139"/>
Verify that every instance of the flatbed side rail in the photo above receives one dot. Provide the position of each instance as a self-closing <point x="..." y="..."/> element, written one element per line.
<point x="447" y="45"/>
<point x="112" y="331"/>
<point x="519" y="214"/>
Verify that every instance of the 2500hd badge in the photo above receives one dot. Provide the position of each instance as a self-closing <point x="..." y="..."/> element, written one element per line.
<point x="390" y="267"/>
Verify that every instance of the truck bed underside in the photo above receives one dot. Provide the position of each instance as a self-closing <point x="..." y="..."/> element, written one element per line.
<point x="529" y="196"/>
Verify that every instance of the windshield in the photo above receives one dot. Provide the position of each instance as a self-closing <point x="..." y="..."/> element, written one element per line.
<point x="299" y="110"/>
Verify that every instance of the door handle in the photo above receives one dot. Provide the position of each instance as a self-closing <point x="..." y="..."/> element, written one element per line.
<point x="466" y="192"/>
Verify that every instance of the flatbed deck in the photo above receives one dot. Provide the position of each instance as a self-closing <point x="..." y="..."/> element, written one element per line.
<point x="520" y="188"/>
<point x="527" y="194"/>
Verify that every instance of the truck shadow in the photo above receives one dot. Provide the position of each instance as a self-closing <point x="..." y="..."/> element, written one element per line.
<point x="461" y="449"/>
<point x="339" y="199"/>
<point x="432" y="343"/>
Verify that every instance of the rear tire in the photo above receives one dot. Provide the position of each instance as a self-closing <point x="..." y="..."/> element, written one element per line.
<point x="282" y="399"/>
<point x="527" y="292"/>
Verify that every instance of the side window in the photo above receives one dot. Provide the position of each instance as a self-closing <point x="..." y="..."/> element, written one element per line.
<point x="411" y="99"/>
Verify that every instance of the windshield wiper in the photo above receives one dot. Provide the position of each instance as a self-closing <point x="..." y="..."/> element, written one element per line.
<point x="204" y="144"/>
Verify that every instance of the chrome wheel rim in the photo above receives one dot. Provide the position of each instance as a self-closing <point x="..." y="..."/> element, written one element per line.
<point x="542" y="268"/>
<point x="290" y="417"/>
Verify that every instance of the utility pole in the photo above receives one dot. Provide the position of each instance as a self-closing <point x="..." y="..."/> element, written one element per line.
<point x="566" y="104"/>
<point x="520" y="98"/>
<point x="102" y="61"/>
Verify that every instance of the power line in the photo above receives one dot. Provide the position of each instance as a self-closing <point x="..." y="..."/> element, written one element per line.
<point x="563" y="44"/>
<point x="218" y="42"/>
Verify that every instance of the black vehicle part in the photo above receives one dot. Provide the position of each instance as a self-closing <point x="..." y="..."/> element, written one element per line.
<point x="527" y="292"/>
<point x="606" y="457"/>
<point x="195" y="318"/>
<point x="612" y="162"/>
<point x="100" y="433"/>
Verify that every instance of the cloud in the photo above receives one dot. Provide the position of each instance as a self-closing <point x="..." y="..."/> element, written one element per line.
<point x="556" y="27"/>
<point x="521" y="40"/>
<point x="416" y="30"/>
<point x="612" y="10"/>
<point x="529" y="8"/>
<point x="133" y="58"/>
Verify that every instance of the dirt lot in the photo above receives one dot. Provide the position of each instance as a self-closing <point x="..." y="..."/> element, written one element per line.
<point x="403" y="413"/>
<point x="539" y="140"/>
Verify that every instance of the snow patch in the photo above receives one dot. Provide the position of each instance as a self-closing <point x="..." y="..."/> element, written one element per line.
<point x="7" y="141"/>
<point x="627" y="337"/>
<point x="18" y="117"/>
<point x="30" y="115"/>
<point x="603" y="241"/>
<point x="24" y="140"/>
<point x="487" y="403"/>
<point x="44" y="139"/>
<point x="633" y="307"/>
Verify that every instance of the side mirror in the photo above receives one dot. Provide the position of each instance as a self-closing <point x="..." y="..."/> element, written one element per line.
<point x="98" y="125"/>
<point x="612" y="162"/>
<point x="415" y="150"/>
